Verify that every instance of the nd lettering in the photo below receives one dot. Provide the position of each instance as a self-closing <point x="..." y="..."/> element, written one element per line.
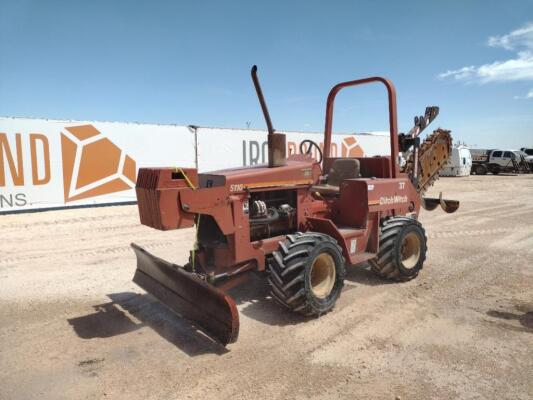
<point x="12" y="161"/>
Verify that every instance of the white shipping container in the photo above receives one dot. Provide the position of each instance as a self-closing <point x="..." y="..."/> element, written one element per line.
<point x="62" y="163"/>
<point x="51" y="163"/>
<point x="220" y="148"/>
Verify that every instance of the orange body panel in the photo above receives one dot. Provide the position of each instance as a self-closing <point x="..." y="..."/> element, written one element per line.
<point x="352" y="217"/>
<point x="242" y="214"/>
<point x="223" y="199"/>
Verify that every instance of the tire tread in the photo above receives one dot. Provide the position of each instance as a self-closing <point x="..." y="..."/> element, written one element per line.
<point x="385" y="263"/>
<point x="287" y="268"/>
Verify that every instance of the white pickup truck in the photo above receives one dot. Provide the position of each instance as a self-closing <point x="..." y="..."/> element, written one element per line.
<point x="496" y="161"/>
<point x="528" y="156"/>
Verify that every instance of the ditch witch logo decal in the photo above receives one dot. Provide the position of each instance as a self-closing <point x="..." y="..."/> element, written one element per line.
<point x="93" y="165"/>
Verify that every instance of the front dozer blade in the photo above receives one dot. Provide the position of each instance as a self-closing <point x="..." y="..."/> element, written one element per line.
<point x="449" y="206"/>
<point x="187" y="295"/>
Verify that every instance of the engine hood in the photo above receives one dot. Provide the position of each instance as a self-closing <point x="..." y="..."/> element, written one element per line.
<point x="296" y="172"/>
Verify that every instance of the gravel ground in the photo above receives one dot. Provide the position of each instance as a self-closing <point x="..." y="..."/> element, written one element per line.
<point x="74" y="326"/>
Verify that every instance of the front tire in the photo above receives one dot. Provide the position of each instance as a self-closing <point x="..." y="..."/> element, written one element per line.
<point x="402" y="249"/>
<point x="307" y="273"/>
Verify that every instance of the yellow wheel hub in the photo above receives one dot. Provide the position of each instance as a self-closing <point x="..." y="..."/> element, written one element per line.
<point x="322" y="275"/>
<point x="410" y="250"/>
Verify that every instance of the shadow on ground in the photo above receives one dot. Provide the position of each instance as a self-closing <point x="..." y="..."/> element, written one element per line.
<point x="254" y="295"/>
<point x="113" y="318"/>
<point x="128" y="312"/>
<point x="254" y="301"/>
<point x="525" y="318"/>
<point x="363" y="275"/>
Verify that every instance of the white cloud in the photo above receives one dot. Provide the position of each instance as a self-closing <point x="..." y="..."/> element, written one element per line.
<point x="461" y="73"/>
<point x="517" y="68"/>
<point x="522" y="37"/>
<point x="529" y="95"/>
<point x="514" y="69"/>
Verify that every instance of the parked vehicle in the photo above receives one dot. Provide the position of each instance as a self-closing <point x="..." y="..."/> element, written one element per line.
<point x="460" y="163"/>
<point x="528" y="151"/>
<point x="525" y="162"/>
<point x="496" y="161"/>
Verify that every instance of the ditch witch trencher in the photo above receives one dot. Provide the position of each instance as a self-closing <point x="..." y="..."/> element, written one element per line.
<point x="299" y="220"/>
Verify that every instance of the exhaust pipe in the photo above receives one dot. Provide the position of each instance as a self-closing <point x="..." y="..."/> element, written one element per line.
<point x="276" y="141"/>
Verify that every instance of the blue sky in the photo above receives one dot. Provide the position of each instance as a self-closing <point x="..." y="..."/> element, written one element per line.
<point x="188" y="62"/>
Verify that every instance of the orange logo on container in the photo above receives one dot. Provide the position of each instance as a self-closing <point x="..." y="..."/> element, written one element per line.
<point x="93" y="165"/>
<point x="350" y="148"/>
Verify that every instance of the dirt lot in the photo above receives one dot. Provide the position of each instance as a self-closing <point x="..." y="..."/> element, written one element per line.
<point x="74" y="326"/>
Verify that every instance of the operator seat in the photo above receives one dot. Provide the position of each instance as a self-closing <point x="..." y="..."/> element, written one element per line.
<point x="341" y="169"/>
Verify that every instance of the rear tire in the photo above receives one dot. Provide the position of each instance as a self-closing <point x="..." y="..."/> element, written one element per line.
<point x="480" y="170"/>
<point x="307" y="273"/>
<point x="402" y="249"/>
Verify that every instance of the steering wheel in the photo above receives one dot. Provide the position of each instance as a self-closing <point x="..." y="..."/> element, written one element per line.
<point x="311" y="145"/>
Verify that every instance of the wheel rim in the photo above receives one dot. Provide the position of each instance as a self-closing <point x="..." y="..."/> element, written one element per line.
<point x="322" y="275"/>
<point x="410" y="250"/>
